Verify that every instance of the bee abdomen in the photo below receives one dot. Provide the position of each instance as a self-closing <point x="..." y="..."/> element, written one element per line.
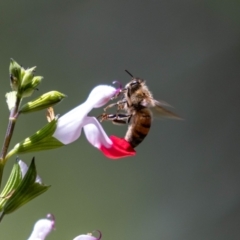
<point x="138" y="129"/>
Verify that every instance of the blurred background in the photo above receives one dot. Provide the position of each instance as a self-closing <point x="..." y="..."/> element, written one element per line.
<point x="184" y="182"/>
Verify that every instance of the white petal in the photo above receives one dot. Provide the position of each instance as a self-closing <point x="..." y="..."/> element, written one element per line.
<point x="69" y="126"/>
<point x="95" y="133"/>
<point x="41" y="229"/>
<point x="24" y="168"/>
<point x="38" y="179"/>
<point x="85" y="237"/>
<point x="101" y="95"/>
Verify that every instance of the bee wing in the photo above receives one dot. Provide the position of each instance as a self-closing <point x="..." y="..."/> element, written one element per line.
<point x="158" y="110"/>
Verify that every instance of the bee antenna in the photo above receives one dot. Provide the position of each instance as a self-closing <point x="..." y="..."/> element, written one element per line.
<point x="129" y="73"/>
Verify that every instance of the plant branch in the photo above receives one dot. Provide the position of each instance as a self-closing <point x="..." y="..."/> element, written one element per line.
<point x="11" y="124"/>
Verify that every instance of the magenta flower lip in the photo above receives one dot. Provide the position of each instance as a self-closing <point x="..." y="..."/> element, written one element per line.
<point x="119" y="149"/>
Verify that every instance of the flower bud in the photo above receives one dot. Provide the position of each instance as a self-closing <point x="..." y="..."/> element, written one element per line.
<point x="28" y="89"/>
<point x="46" y="100"/>
<point x="15" y="74"/>
<point x="28" y="76"/>
<point x="23" y="80"/>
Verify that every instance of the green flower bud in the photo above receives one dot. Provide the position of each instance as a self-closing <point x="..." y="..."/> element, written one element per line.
<point x="23" y="80"/>
<point x="41" y="140"/>
<point x="15" y="74"/>
<point x="11" y="99"/>
<point x="28" y="76"/>
<point x="46" y="100"/>
<point x="29" y="188"/>
<point x="22" y="73"/>
<point x="28" y="89"/>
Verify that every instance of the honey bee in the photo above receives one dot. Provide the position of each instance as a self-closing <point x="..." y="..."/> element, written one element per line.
<point x="137" y="105"/>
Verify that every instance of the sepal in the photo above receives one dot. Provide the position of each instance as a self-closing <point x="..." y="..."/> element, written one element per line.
<point x="11" y="99"/>
<point x="12" y="182"/>
<point x="41" y="140"/>
<point x="27" y="189"/>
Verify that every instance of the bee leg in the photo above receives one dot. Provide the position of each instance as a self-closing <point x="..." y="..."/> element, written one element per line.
<point x="119" y="104"/>
<point x="118" y="122"/>
<point x="118" y="119"/>
<point x="102" y="117"/>
<point x="121" y="119"/>
<point x="106" y="117"/>
<point x="110" y="105"/>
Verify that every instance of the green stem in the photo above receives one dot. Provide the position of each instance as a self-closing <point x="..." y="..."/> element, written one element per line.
<point x="11" y="125"/>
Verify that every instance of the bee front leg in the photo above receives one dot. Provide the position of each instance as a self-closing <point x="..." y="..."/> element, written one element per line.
<point x="110" y="106"/>
<point x="119" y="105"/>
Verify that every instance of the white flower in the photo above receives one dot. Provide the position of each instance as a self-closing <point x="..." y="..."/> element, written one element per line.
<point x="70" y="125"/>
<point x="88" y="236"/>
<point x="67" y="129"/>
<point x="85" y="237"/>
<point x="42" y="228"/>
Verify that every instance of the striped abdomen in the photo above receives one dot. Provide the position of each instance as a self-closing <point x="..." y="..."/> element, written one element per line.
<point x="139" y="127"/>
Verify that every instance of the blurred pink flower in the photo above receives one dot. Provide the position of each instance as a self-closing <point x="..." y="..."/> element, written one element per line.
<point x="88" y="237"/>
<point x="42" y="228"/>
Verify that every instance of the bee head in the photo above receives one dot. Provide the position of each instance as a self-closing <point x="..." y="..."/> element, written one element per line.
<point x="134" y="84"/>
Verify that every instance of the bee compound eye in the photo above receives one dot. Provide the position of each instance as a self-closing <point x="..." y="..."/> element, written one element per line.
<point x="134" y="83"/>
